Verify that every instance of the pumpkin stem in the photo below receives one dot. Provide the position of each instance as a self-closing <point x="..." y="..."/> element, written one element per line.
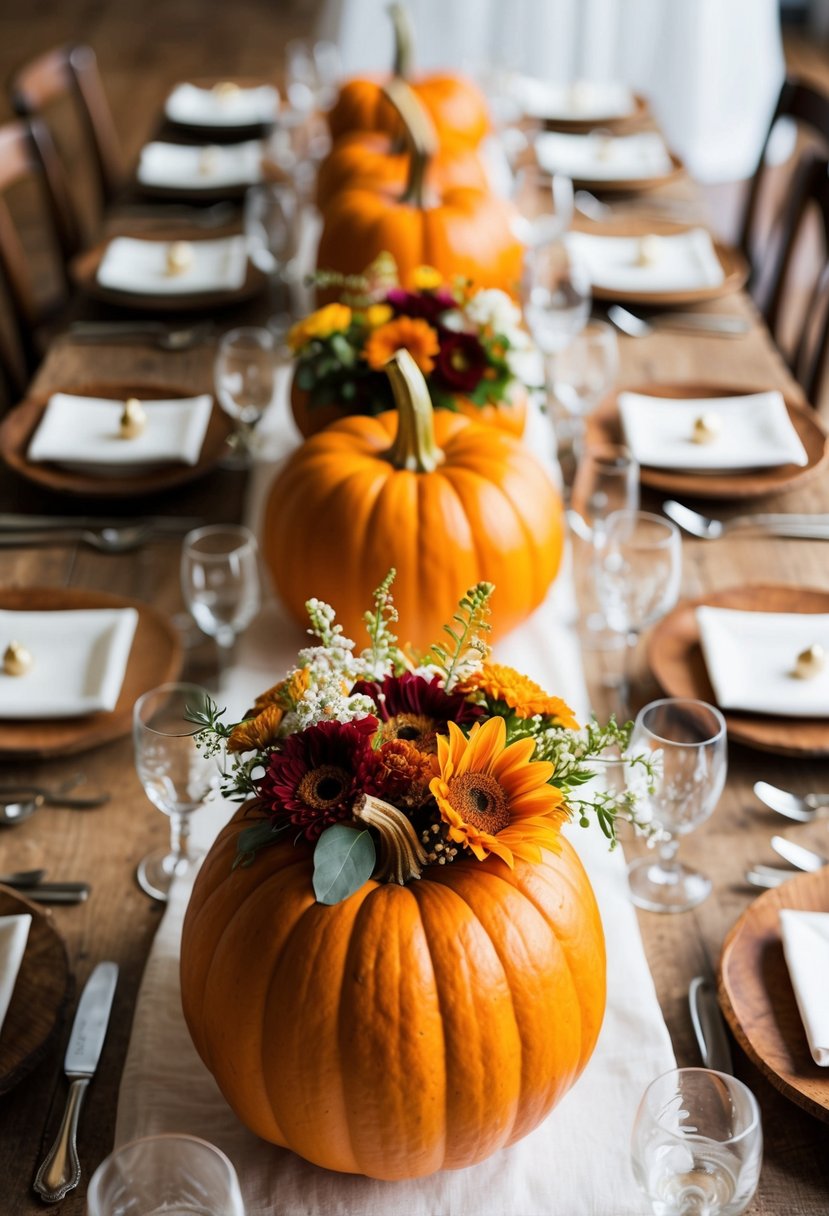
<point x="401" y="855"/>
<point x="414" y="447"/>
<point x="403" y="40"/>
<point x="420" y="135"/>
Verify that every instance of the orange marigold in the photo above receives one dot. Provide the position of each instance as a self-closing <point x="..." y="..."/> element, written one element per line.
<point x="285" y="694"/>
<point x="406" y="333"/>
<point x="255" y="734"/>
<point x="401" y="773"/>
<point x="523" y="696"/>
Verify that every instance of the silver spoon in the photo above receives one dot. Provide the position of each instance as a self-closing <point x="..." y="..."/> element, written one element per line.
<point x="804" y="810"/>
<point x="19" y="804"/>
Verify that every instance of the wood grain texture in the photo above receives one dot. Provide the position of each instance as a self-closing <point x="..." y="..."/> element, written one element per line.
<point x="758" y="999"/>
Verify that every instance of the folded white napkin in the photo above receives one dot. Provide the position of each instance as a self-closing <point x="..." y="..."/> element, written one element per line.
<point x="181" y="166"/>
<point x="14" y="932"/>
<point x="755" y="432"/>
<point x="582" y="100"/>
<point x="140" y="266"/>
<point x="685" y="261"/>
<point x="806" y="947"/>
<point x="79" y="660"/>
<point x="192" y="105"/>
<point x="598" y="157"/>
<point x="750" y="658"/>
<point x="82" y="433"/>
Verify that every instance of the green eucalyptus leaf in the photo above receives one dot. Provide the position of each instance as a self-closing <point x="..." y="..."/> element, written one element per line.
<point x="344" y="859"/>
<point x="251" y="839"/>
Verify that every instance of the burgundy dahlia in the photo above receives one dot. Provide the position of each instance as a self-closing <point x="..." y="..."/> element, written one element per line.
<point x="314" y="780"/>
<point x="461" y="361"/>
<point x="428" y="304"/>
<point x="415" y="709"/>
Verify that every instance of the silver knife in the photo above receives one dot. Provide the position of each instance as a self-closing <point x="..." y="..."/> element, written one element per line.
<point x="796" y="855"/>
<point x="56" y="892"/>
<point x="159" y="523"/>
<point x="709" y="1026"/>
<point x="60" y="1171"/>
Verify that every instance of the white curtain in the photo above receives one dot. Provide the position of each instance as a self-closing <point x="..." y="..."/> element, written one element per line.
<point x="711" y="68"/>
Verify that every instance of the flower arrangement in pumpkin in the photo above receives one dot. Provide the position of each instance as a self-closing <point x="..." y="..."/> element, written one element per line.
<point x="465" y="342"/>
<point x="384" y="762"/>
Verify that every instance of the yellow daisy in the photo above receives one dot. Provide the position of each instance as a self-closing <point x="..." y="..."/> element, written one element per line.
<point x="332" y="319"/>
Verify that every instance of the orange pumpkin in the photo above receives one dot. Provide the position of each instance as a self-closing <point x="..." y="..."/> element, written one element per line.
<point x="406" y="1029"/>
<point x="460" y="231"/>
<point x="510" y="416"/>
<point x="448" y="502"/>
<point x="456" y="106"/>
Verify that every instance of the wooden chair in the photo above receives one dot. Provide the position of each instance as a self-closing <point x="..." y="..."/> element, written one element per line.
<point x="70" y="73"/>
<point x="809" y="109"/>
<point x="27" y="308"/>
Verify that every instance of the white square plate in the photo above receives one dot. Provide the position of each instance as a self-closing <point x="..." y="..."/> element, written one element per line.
<point x="183" y="167"/>
<point x="684" y="261"/>
<point x="756" y="432"/>
<point x="83" y="433"/>
<point x="596" y="157"/>
<point x="750" y="657"/>
<point x="14" y="933"/>
<point x="193" y="106"/>
<point x="581" y="101"/>
<point x="79" y="660"/>
<point x="140" y="267"/>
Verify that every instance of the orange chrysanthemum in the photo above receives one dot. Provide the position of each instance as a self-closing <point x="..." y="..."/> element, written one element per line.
<point x="521" y="694"/>
<point x="401" y="773"/>
<point x="255" y="734"/>
<point x="406" y="333"/>
<point x="494" y="798"/>
<point x="285" y="694"/>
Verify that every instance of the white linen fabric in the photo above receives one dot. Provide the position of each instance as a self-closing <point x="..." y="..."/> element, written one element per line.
<point x="806" y="947"/>
<point x="66" y="681"/>
<point x="604" y="157"/>
<point x="14" y="933"/>
<point x="84" y="432"/>
<point x="683" y="261"/>
<point x="193" y="106"/>
<point x="755" y="432"/>
<point x="750" y="659"/>
<point x="139" y="267"/>
<point x="575" y="1162"/>
<point x="181" y="166"/>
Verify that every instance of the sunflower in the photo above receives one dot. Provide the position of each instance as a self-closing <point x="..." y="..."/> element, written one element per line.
<point x="494" y="798"/>
<point x="256" y="733"/>
<point x="416" y="710"/>
<point x="407" y="333"/>
<point x="506" y="686"/>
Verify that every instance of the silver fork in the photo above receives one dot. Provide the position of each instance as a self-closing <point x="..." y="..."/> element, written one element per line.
<point x="107" y="540"/>
<point x="661" y="208"/>
<point x="719" y="324"/>
<point x="163" y="336"/>
<point x="806" y="527"/>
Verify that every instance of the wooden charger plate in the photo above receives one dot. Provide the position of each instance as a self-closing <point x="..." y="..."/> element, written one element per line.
<point x="631" y="185"/>
<point x="757" y="997"/>
<point x="84" y="270"/>
<point x="617" y="122"/>
<point x="676" y="660"/>
<point x="39" y="996"/>
<point x="155" y="658"/>
<point x="20" y="424"/>
<point x="605" y="426"/>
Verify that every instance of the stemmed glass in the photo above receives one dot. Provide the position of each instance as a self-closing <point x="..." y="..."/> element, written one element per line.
<point x="176" y="776"/>
<point x="272" y="224"/>
<point x="697" y="1144"/>
<point x="606" y="480"/>
<point x="639" y="573"/>
<point x="220" y="580"/>
<point x="245" y="378"/>
<point x="689" y="738"/>
<point x="543" y="204"/>
<point x="583" y="372"/>
<point x="165" y="1174"/>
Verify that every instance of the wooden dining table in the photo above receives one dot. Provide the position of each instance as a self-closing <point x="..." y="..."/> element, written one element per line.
<point x="103" y="846"/>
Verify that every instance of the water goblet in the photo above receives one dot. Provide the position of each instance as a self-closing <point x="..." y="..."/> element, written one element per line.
<point x="245" y="378"/>
<point x="176" y="776"/>
<point x="165" y="1175"/>
<point x="220" y="580"/>
<point x="543" y="206"/>
<point x="271" y="224"/>
<point x="697" y="1144"/>
<point x="556" y="298"/>
<point x="580" y="374"/>
<point x="689" y="738"/>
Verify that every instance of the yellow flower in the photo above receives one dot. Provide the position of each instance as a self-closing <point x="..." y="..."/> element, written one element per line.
<point x="409" y="333"/>
<point x="526" y="698"/>
<point x="494" y="798"/>
<point x="378" y="314"/>
<point x="426" y="278"/>
<point x="332" y="319"/>
<point x="257" y="733"/>
<point x="285" y="694"/>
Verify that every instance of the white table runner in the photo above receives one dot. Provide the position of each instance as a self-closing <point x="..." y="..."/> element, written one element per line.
<point x="574" y="1164"/>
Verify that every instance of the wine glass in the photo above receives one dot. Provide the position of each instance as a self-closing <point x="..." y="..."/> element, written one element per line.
<point x="543" y="206"/>
<point x="697" y="1144"/>
<point x="580" y="374"/>
<point x="165" y="1174"/>
<point x="606" y="480"/>
<point x="689" y="738"/>
<point x="272" y="224"/>
<point x="220" y="580"/>
<point x="639" y="571"/>
<point x="176" y="776"/>
<point x="556" y="298"/>
<point x="245" y="378"/>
